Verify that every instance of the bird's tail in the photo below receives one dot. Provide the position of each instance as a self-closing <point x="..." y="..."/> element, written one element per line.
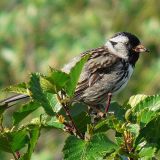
<point x="10" y="101"/>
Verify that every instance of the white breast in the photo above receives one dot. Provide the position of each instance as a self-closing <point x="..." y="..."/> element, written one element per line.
<point x="124" y="82"/>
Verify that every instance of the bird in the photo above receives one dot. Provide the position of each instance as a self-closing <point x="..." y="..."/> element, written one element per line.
<point x="106" y="72"/>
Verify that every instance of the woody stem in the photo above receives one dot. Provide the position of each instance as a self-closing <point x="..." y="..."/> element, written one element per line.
<point x="65" y="107"/>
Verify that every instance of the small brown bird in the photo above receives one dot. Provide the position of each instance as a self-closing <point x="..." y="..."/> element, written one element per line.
<point x="108" y="69"/>
<point x="106" y="72"/>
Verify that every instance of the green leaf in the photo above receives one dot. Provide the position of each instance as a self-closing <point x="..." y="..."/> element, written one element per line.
<point x="3" y="107"/>
<point x="81" y="121"/>
<point x="147" y="110"/>
<point x="78" y="108"/>
<point x="102" y="126"/>
<point x="145" y="116"/>
<point x="110" y="122"/>
<point x="140" y="145"/>
<point x="19" y="88"/>
<point x="151" y="102"/>
<point x="57" y="78"/>
<point x="117" y="110"/>
<point x="112" y="156"/>
<point x="134" y="100"/>
<point x="18" y="139"/>
<point x="74" y="75"/>
<point x="119" y="140"/>
<point x="13" y="141"/>
<point x="39" y="95"/>
<point x="134" y="129"/>
<point x="24" y="111"/>
<point x="57" y="107"/>
<point x="98" y="146"/>
<point x="52" y="99"/>
<point x="46" y="85"/>
<point x="147" y="152"/>
<point x="4" y="143"/>
<point x="79" y="113"/>
<point x="151" y="132"/>
<point x="51" y="122"/>
<point x="34" y="135"/>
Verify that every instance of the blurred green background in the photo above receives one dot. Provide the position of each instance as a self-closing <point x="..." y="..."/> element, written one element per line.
<point x="36" y="34"/>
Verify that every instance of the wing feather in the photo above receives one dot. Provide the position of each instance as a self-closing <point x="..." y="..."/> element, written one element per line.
<point x="99" y="63"/>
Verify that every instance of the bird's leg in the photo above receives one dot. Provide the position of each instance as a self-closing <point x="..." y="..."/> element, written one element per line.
<point x="108" y="102"/>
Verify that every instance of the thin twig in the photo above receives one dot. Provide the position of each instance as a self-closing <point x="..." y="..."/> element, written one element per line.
<point x="18" y="154"/>
<point x="65" y="107"/>
<point x="14" y="155"/>
<point x="73" y="123"/>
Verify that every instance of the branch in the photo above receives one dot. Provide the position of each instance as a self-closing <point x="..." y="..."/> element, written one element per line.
<point x="66" y="109"/>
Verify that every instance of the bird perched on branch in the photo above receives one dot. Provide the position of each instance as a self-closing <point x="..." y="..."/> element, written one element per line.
<point x="106" y="72"/>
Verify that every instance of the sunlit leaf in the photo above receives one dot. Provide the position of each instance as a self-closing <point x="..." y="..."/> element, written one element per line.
<point x="38" y="94"/>
<point x="52" y="122"/>
<point x="151" y="102"/>
<point x="74" y="75"/>
<point x="134" y="129"/>
<point x="46" y="85"/>
<point x="34" y="135"/>
<point x="134" y="100"/>
<point x="57" y="78"/>
<point x="145" y="116"/>
<point x="24" y="111"/>
<point x="147" y="152"/>
<point x="51" y="99"/>
<point x="13" y="141"/>
<point x="20" y="88"/>
<point x="147" y="109"/>
<point x="98" y="146"/>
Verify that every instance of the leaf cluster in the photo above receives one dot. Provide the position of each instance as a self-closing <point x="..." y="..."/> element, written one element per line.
<point x="127" y="131"/>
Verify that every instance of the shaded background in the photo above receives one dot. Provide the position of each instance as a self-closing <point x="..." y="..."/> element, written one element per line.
<point x="40" y="33"/>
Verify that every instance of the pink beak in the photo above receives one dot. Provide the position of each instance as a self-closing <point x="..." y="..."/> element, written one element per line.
<point x="140" y="48"/>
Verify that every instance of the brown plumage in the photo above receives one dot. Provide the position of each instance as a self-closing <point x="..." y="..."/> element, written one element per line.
<point x="107" y="70"/>
<point x="102" y="74"/>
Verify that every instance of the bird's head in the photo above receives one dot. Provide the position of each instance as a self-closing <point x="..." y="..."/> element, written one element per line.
<point x="125" y="45"/>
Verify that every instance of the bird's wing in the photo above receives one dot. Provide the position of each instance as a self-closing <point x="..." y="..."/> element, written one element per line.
<point x="100" y="62"/>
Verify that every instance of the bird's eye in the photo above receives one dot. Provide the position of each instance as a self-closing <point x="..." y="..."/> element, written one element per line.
<point x="126" y="43"/>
